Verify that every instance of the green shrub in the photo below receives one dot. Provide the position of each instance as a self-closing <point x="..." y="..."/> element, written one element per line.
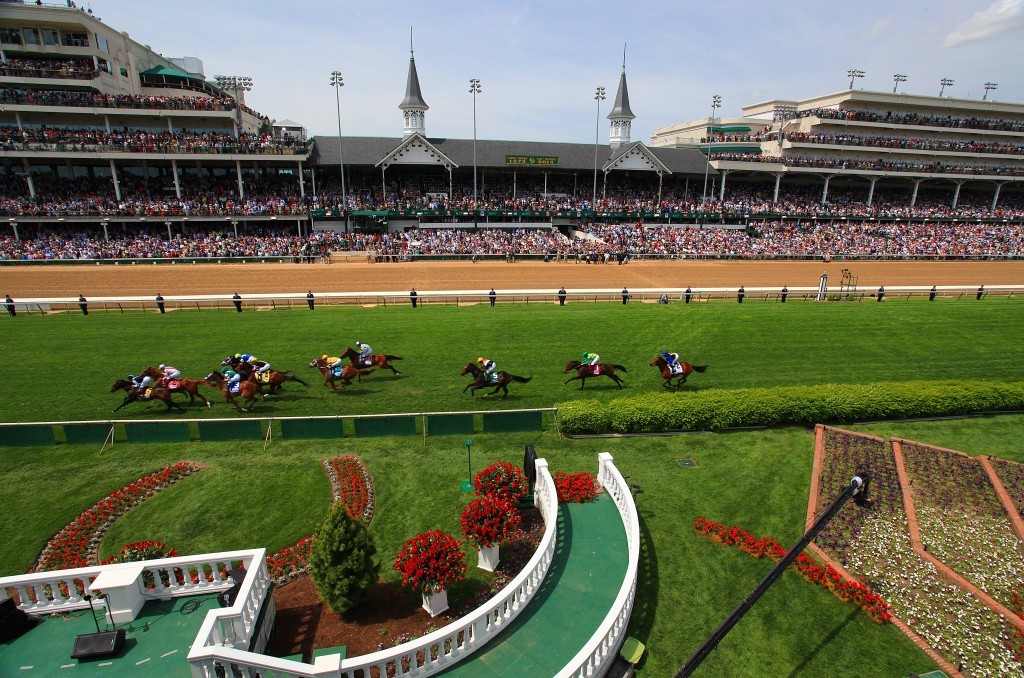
<point x="342" y="562"/>
<point x="719" y="408"/>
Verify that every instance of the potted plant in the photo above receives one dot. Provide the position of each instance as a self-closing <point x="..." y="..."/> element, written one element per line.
<point x="504" y="481"/>
<point x="430" y="563"/>
<point x="489" y="522"/>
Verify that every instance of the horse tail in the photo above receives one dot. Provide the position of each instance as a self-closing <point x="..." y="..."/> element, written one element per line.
<point x="699" y="368"/>
<point x="291" y="377"/>
<point x="365" y="372"/>
<point x="521" y="380"/>
<point x="392" y="357"/>
<point x="618" y="367"/>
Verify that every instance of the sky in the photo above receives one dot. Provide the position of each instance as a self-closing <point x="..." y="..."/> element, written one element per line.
<point x="539" y="63"/>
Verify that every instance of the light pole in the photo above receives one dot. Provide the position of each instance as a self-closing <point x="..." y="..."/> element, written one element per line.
<point x="598" y="97"/>
<point x="898" y="78"/>
<point x="337" y="82"/>
<point x="945" y="82"/>
<point x="235" y="83"/>
<point x="474" y="89"/>
<point x="716" y="102"/>
<point x="853" y="74"/>
<point x="989" y="86"/>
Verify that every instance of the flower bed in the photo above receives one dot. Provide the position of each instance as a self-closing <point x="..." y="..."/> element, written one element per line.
<point x="77" y="544"/>
<point x="291" y="561"/>
<point x="1012" y="476"/>
<point x="351" y="485"/>
<point x="809" y="568"/>
<point x="576" y="488"/>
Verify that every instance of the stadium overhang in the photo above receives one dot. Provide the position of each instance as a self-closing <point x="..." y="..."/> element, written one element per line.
<point x="416" y="150"/>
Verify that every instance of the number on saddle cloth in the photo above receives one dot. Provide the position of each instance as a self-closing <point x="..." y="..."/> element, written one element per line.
<point x="263" y="378"/>
<point x="336" y="371"/>
<point x="492" y="378"/>
<point x="147" y="394"/>
<point x="171" y="384"/>
<point x="235" y="388"/>
<point x="677" y="368"/>
<point x="595" y="370"/>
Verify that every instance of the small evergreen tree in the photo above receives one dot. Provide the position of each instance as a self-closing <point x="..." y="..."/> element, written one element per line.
<point x="342" y="562"/>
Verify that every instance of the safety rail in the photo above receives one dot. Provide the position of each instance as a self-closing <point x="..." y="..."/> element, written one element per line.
<point x="423" y="656"/>
<point x="595" y="657"/>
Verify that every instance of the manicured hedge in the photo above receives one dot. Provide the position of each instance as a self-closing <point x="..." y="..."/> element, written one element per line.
<point x="719" y="408"/>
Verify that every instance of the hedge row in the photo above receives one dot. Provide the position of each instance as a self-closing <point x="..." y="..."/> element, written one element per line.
<point x="718" y="408"/>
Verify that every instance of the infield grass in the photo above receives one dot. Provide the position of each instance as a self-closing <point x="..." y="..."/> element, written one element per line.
<point x="61" y="366"/>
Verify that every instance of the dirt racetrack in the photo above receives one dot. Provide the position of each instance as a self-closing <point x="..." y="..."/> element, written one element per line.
<point x="186" y="279"/>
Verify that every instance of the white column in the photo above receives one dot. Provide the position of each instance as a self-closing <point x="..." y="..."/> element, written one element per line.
<point x="234" y="224"/>
<point x="660" y="178"/>
<point x="17" y="119"/>
<point x="106" y="234"/>
<point x="824" y="192"/>
<point x="170" y="236"/>
<point x="913" y="197"/>
<point x="28" y="178"/>
<point x="238" y="173"/>
<point x="106" y="121"/>
<point x="871" y="191"/>
<point x="721" y="188"/>
<point x="995" y="198"/>
<point x="302" y="182"/>
<point x="117" y="185"/>
<point x="14" y="225"/>
<point x="778" y="180"/>
<point x="170" y="128"/>
<point x="514" y="184"/>
<point x="177" y="184"/>
<point x="956" y="193"/>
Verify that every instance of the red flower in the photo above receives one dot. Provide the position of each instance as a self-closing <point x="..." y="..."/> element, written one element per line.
<point x="577" y="488"/>
<point x="503" y="481"/>
<point x="431" y="562"/>
<point x="488" y="522"/>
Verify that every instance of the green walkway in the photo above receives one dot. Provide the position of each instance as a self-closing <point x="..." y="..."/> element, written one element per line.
<point x="156" y="645"/>
<point x="581" y="585"/>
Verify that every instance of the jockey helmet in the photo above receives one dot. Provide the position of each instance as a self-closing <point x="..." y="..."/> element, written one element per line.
<point x="230" y="373"/>
<point x="238" y="355"/>
<point x="664" y="353"/>
<point x="323" y="357"/>
<point x="358" y="343"/>
<point x="481" y="359"/>
<point x="163" y="366"/>
<point x="585" y="354"/>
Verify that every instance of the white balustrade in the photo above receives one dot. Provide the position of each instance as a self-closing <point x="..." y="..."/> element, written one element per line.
<point x="598" y="654"/>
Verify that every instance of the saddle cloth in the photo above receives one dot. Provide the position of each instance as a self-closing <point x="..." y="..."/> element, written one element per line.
<point x="263" y="378"/>
<point x="235" y="389"/>
<point x="171" y="383"/>
<point x="336" y="372"/>
<point x="677" y="368"/>
<point x="492" y="378"/>
<point x="595" y="370"/>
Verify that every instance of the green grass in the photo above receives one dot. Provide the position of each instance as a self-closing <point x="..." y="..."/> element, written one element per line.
<point x="755" y="344"/>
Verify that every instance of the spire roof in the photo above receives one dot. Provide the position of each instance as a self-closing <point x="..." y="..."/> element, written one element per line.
<point x="621" y="107"/>
<point x="413" y="96"/>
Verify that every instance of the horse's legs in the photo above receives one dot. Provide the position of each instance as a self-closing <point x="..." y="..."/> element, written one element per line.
<point x="127" y="399"/>
<point x="504" y="388"/>
<point x="570" y="379"/>
<point x="467" y="387"/>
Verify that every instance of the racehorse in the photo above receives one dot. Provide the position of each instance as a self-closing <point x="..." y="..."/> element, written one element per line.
<point x="668" y="375"/>
<point x="247" y="390"/>
<point x="133" y="394"/>
<point x="272" y="379"/>
<point x="330" y="376"/>
<point x="189" y="387"/>
<point x="584" y="371"/>
<point x="481" y="380"/>
<point x="378" y="360"/>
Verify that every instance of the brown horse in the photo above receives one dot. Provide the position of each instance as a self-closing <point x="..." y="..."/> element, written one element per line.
<point x="189" y="387"/>
<point x="331" y="375"/>
<point x="584" y="371"/>
<point x="272" y="379"/>
<point x="680" y="377"/>
<point x="135" y="395"/>
<point x="378" y="360"/>
<point x="480" y="380"/>
<point x="247" y="391"/>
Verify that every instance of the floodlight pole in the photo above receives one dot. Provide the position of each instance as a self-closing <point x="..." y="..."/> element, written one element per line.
<point x="858" y="486"/>
<point x="474" y="89"/>
<point x="716" y="103"/>
<point x="944" y="83"/>
<point x="989" y="86"/>
<point x="337" y="82"/>
<point x="598" y="97"/>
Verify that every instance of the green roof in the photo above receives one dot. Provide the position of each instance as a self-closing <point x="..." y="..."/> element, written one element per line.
<point x="169" y="72"/>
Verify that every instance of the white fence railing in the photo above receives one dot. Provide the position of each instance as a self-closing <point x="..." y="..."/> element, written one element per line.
<point x="597" y="655"/>
<point x="423" y="656"/>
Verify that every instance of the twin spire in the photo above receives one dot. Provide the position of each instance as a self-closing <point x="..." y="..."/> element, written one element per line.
<point x="414" y="108"/>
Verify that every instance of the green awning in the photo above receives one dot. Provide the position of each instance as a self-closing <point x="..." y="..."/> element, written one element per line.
<point x="730" y="128"/>
<point x="167" y="71"/>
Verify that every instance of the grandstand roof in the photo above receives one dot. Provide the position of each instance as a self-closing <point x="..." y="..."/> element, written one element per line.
<point x="368" y="151"/>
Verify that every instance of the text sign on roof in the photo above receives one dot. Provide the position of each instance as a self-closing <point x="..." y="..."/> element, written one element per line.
<point x="531" y="160"/>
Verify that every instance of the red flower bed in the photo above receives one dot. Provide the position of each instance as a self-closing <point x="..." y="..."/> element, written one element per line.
<point x="809" y="568"/>
<point x="431" y="562"/>
<point x="291" y="561"/>
<point x="503" y="481"/>
<point x="351" y="485"/>
<point x="488" y="522"/>
<point x="141" y="550"/>
<point x="76" y="544"/>
<point x="576" y="488"/>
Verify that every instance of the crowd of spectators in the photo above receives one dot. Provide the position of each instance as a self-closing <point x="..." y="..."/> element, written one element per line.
<point x="143" y="141"/>
<point x="878" y="164"/>
<point x="893" y="118"/>
<point x="956" y="145"/>
<point x="65" y="67"/>
<point x="90" y="99"/>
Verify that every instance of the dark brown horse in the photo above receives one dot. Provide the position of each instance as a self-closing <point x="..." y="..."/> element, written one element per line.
<point x="378" y="360"/>
<point x="331" y="375"/>
<point x="247" y="391"/>
<point x="680" y="377"/>
<point x="272" y="379"/>
<point x="585" y="371"/>
<point x="137" y="395"/>
<point x="189" y="387"/>
<point x="480" y="380"/>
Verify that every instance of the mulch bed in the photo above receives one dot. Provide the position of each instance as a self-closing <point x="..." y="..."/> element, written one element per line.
<point x="389" y="616"/>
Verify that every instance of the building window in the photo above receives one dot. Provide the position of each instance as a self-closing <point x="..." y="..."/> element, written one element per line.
<point x="124" y="72"/>
<point x="50" y="37"/>
<point x="105" y="66"/>
<point x="101" y="43"/>
<point x="11" y="36"/>
<point x="76" y="39"/>
<point x="31" y="36"/>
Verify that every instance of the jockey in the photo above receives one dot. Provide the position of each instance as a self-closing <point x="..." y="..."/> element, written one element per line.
<point x="365" y="352"/>
<point x="672" y="360"/>
<point x="259" y="366"/>
<point x="488" y="367"/>
<point x="140" y="383"/>
<point x="590" y="358"/>
<point x="333" y="362"/>
<point x="231" y="378"/>
<point x="170" y="372"/>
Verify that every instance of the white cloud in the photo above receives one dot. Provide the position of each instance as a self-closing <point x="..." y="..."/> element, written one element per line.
<point x="878" y="28"/>
<point x="1000" y="17"/>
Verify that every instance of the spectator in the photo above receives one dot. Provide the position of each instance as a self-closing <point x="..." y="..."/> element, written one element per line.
<point x="309" y="299"/>
<point x="663" y="299"/>
<point x="931" y="295"/>
<point x="237" y="301"/>
<point x="561" y="296"/>
<point x="785" y="293"/>
<point x="9" y="305"/>
<point x="625" y="296"/>
<point x="82" y="304"/>
<point x="160" y="303"/>
<point x="412" y="297"/>
<point x="981" y="292"/>
<point x="493" y="296"/>
<point x="687" y="294"/>
<point x="740" y="293"/>
<point x="881" y="292"/>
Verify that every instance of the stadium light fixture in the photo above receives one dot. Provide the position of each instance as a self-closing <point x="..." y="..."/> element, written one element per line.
<point x="989" y="86"/>
<point x="474" y="89"/>
<point x="898" y="78"/>
<point x="853" y="74"/>
<point x="716" y="103"/>
<point x="945" y="82"/>
<point x="235" y="83"/>
<point x="598" y="97"/>
<point x="337" y="82"/>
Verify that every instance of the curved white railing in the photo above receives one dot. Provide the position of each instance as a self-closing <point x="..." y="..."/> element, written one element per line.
<point x="600" y="651"/>
<point x="422" y="656"/>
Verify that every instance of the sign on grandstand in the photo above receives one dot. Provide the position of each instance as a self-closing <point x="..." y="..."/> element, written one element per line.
<point x="531" y="159"/>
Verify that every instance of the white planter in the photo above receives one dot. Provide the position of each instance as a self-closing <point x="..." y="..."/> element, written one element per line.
<point x="435" y="603"/>
<point x="487" y="558"/>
